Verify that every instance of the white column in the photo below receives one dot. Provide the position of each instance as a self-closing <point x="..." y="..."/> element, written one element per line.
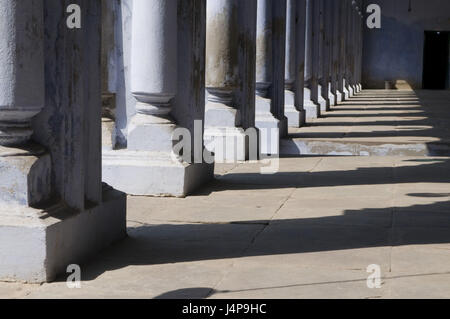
<point x="360" y="18"/>
<point x="109" y="63"/>
<point x="21" y="68"/>
<point x="264" y="49"/>
<point x="351" y="44"/>
<point x="336" y="52"/>
<point x="226" y="59"/>
<point x="264" y="119"/>
<point x="158" y="81"/>
<point x="61" y="161"/>
<point x="318" y="56"/>
<point x="23" y="164"/>
<point x="348" y="49"/>
<point x="295" y="62"/>
<point x="327" y="54"/>
<point x="311" y="109"/>
<point x="153" y="74"/>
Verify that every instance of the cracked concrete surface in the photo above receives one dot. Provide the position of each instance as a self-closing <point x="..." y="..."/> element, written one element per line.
<point x="309" y="231"/>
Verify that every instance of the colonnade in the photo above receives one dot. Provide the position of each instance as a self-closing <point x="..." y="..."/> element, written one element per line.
<point x="216" y="72"/>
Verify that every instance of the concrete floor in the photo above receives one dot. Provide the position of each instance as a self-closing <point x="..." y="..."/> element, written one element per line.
<point x="379" y="123"/>
<point x="309" y="231"/>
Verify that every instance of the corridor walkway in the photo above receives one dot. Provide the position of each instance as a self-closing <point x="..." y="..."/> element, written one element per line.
<point x="309" y="231"/>
<point x="378" y="122"/>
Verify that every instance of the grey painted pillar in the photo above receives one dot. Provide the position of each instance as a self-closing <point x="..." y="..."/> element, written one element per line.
<point x="109" y="72"/>
<point x="336" y="49"/>
<point x="279" y="56"/>
<point x="295" y="62"/>
<point x="342" y="90"/>
<point x="264" y="118"/>
<point x="311" y="109"/>
<point x="317" y="56"/>
<point x="359" y="40"/>
<point x="229" y="60"/>
<point x="167" y="81"/>
<point x="62" y="159"/>
<point x="348" y="49"/>
<point x="352" y="49"/>
<point x="153" y="74"/>
<point x="341" y="51"/>
<point x="327" y="54"/>
<point x="22" y="70"/>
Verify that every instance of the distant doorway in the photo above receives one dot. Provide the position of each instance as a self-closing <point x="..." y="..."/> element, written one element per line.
<point x="436" y="60"/>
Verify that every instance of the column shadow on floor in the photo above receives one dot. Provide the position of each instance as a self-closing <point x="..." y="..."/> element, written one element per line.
<point x="425" y="116"/>
<point x="365" y="228"/>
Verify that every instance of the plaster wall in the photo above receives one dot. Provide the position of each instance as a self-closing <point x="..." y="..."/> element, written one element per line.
<point x="395" y="52"/>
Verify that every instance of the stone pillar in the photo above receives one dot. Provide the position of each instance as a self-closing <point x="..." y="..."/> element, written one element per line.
<point x="311" y="109"/>
<point x="327" y="54"/>
<point x="279" y="62"/>
<point x="359" y="21"/>
<point x="158" y="76"/>
<point x="348" y="49"/>
<point x="336" y="48"/>
<point x="109" y="72"/>
<point x="295" y="62"/>
<point x="54" y="210"/>
<point x="264" y="119"/>
<point x="343" y="12"/>
<point x="352" y="48"/>
<point x="318" y="56"/>
<point x="228" y="63"/>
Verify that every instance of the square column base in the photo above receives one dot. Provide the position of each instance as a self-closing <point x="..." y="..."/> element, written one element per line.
<point x="231" y="144"/>
<point x="351" y="91"/>
<point x="145" y="173"/>
<point x="37" y="245"/>
<point x="331" y="96"/>
<point x="346" y="94"/>
<point x="312" y="110"/>
<point x="296" y="118"/>
<point x="269" y="129"/>
<point x="339" y="97"/>
<point x="322" y="101"/>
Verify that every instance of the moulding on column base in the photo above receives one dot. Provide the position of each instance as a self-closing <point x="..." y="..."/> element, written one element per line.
<point x="346" y="93"/>
<point x="339" y="97"/>
<point x="331" y="96"/>
<point x="229" y="144"/>
<point x="38" y="244"/>
<point x="296" y="118"/>
<point x="312" y="110"/>
<point x="223" y="135"/>
<point x="323" y="103"/>
<point x="269" y="126"/>
<point x="146" y="173"/>
<point x="351" y="91"/>
<point x="25" y="176"/>
<point x="108" y="134"/>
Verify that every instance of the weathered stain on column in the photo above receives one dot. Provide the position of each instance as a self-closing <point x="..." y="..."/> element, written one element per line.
<point x="308" y="41"/>
<point x="264" y="48"/>
<point x="279" y="56"/>
<point x="222" y="43"/>
<point x="22" y="91"/>
<point x="291" y="59"/>
<point x="300" y="47"/>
